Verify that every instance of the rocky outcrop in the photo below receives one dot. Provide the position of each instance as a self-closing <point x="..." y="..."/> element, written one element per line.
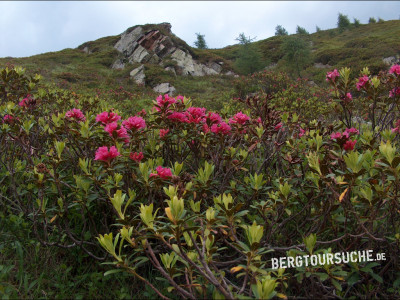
<point x="138" y="75"/>
<point x="165" y="88"/>
<point x="152" y="46"/>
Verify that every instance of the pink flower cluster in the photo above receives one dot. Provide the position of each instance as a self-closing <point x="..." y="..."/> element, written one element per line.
<point x="395" y="69"/>
<point x="221" y="127"/>
<point x="166" y="101"/>
<point x="163" y="173"/>
<point x="109" y="121"/>
<point x="331" y="76"/>
<point x="27" y="102"/>
<point x="75" y="114"/>
<point x="343" y="139"/>
<point x="163" y="132"/>
<point x="239" y="118"/>
<point x="137" y="156"/>
<point x="106" y="155"/>
<point x="9" y="119"/>
<point x="348" y="98"/>
<point x="106" y="117"/>
<point x="362" y="81"/>
<point x="134" y="123"/>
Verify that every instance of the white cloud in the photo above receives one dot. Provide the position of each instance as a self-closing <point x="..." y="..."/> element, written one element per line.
<point x="35" y="27"/>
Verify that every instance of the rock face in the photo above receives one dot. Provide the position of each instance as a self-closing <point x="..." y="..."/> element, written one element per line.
<point x="136" y="45"/>
<point x="165" y="88"/>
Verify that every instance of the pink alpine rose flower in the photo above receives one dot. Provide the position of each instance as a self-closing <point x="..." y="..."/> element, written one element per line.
<point x="278" y="126"/>
<point x="214" y="118"/>
<point x="136" y="156"/>
<point x="106" y="117"/>
<point x="163" y="132"/>
<point x="178" y="117"/>
<point x="163" y="173"/>
<point x="221" y="128"/>
<point x="27" y="102"/>
<point x="301" y="132"/>
<point x="9" y="119"/>
<point x="348" y="98"/>
<point x="331" y="76"/>
<point x="351" y="130"/>
<point x="103" y="154"/>
<point x="361" y="82"/>
<point x="336" y="136"/>
<point x="349" y="145"/>
<point x="164" y="102"/>
<point x="134" y="122"/>
<point x="395" y="69"/>
<point x="206" y="128"/>
<point x="239" y="118"/>
<point x="196" y="114"/>
<point x="75" y="114"/>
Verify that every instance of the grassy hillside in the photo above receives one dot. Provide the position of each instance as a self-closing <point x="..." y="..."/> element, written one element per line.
<point x="366" y="45"/>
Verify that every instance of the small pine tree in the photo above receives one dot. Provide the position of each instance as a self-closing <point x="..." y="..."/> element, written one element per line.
<point x="301" y="30"/>
<point x="200" y="42"/>
<point x="343" y="22"/>
<point x="317" y="29"/>
<point x="356" y="23"/>
<point x="280" y="30"/>
<point x="249" y="60"/>
<point x="372" y="20"/>
<point x="297" y="54"/>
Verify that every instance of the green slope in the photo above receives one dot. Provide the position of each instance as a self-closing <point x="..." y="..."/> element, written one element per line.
<point x="366" y="45"/>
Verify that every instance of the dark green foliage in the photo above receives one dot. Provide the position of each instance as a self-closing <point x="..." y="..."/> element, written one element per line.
<point x="317" y="29"/>
<point x="371" y="20"/>
<point x="343" y="22"/>
<point x="356" y="23"/>
<point x="301" y="30"/>
<point x="280" y="30"/>
<point x="200" y="42"/>
<point x="249" y="59"/>
<point x="380" y="20"/>
<point x="297" y="54"/>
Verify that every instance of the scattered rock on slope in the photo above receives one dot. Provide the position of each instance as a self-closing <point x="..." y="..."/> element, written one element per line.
<point x="165" y="88"/>
<point x="138" y="75"/>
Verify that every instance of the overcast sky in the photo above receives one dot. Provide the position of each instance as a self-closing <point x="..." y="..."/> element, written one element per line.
<point x="31" y="27"/>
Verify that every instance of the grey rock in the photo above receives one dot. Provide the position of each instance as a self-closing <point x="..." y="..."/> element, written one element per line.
<point x="138" y="75"/>
<point x="165" y="88"/>
<point x="118" y="64"/>
<point x="127" y="43"/>
<point x="216" y="67"/>
<point x="322" y="66"/>
<point x="391" y="60"/>
<point x="140" y="54"/>
<point x="189" y="66"/>
<point x="86" y="50"/>
<point x="230" y="73"/>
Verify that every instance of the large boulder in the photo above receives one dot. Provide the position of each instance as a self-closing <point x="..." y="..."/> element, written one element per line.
<point x="165" y="88"/>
